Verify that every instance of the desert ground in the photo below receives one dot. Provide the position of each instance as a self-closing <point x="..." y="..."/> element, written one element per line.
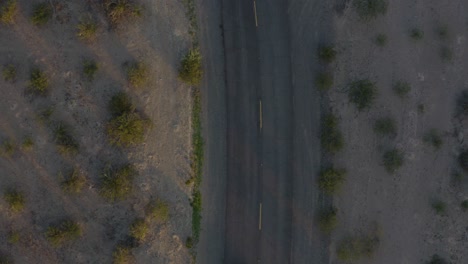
<point x="158" y="38"/>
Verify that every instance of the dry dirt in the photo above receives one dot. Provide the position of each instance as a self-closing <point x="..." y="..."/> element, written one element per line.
<point x="400" y="204"/>
<point x="159" y="38"/>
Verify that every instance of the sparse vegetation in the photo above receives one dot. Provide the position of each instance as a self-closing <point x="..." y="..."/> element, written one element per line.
<point x="15" y="200"/>
<point x="120" y="11"/>
<point x="446" y="54"/>
<point x="121" y="255"/>
<point x="393" y="160"/>
<point x="362" y="93"/>
<point x="331" y="179"/>
<point x="370" y="9"/>
<point x="385" y="126"/>
<point x="38" y="82"/>
<point x="66" y="144"/>
<point x="401" y="89"/>
<point x="158" y="211"/>
<point x="443" y="32"/>
<point x="433" y="138"/>
<point x="324" y="81"/>
<point x="120" y="104"/>
<point x="42" y="13"/>
<point x="6" y="259"/>
<point x="127" y="129"/>
<point x="462" y="103"/>
<point x="44" y="114"/>
<point x="331" y="137"/>
<point x="464" y="205"/>
<point x="439" y="207"/>
<point x="356" y="248"/>
<point x="27" y="144"/>
<point x="436" y="259"/>
<point x="421" y="108"/>
<point x="190" y="70"/>
<point x="137" y="74"/>
<point x="117" y="184"/>
<point x="8" y="148"/>
<point x="13" y="237"/>
<point x="463" y="160"/>
<point x="90" y="68"/>
<point x="62" y="232"/>
<point x="381" y="40"/>
<point x="328" y="219"/>
<point x="74" y="182"/>
<point x="327" y="54"/>
<point x="87" y="29"/>
<point x="8" y="11"/>
<point x="139" y="229"/>
<point x="9" y="73"/>
<point x="416" y="34"/>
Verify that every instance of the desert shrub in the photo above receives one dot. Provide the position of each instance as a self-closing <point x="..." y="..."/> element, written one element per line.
<point x="330" y="180"/>
<point x="370" y="9"/>
<point x="8" y="148"/>
<point x="433" y="138"/>
<point x="436" y="259"/>
<point x="443" y="32"/>
<point x="117" y="184"/>
<point x="74" y="182"/>
<point x="189" y="242"/>
<point x="65" y="142"/>
<point x="139" y="229"/>
<point x="43" y="115"/>
<point x="137" y="74"/>
<point x="158" y="211"/>
<point x="356" y="248"/>
<point x="327" y="54"/>
<point x="120" y="11"/>
<point x="6" y="259"/>
<point x="8" y="11"/>
<point x="439" y="206"/>
<point x="328" y="219"/>
<point x="38" y="82"/>
<point x="121" y="104"/>
<point x="27" y="144"/>
<point x="416" y="34"/>
<point x="362" y="93"/>
<point x="13" y="237"/>
<point x="393" y="160"/>
<point x="15" y="200"/>
<point x="87" y="29"/>
<point x="464" y="205"/>
<point x="64" y="231"/>
<point x="324" y="81"/>
<point x="446" y="54"/>
<point x="331" y="137"/>
<point x="42" y="13"/>
<point x="463" y="160"/>
<point x="381" y="40"/>
<point x="401" y="89"/>
<point x="385" y="126"/>
<point x="190" y="70"/>
<point x="127" y="129"/>
<point x="9" y="73"/>
<point x="421" y="108"/>
<point x="90" y="68"/>
<point x="121" y="255"/>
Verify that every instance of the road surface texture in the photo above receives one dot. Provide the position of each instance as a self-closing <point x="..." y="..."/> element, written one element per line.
<point x="272" y="122"/>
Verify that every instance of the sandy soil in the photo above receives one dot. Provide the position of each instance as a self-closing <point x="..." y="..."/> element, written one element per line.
<point x="159" y="38"/>
<point x="401" y="203"/>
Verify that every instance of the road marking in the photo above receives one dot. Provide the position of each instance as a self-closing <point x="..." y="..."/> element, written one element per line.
<point x="261" y="115"/>
<point x="260" y="218"/>
<point x="255" y="12"/>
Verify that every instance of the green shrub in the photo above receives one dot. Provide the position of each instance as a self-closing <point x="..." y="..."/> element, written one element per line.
<point x="328" y="220"/>
<point x="416" y="34"/>
<point x="189" y="242"/>
<point x="385" y="126"/>
<point x="27" y="144"/>
<point x="324" y="81"/>
<point x="15" y="200"/>
<point x="433" y="138"/>
<point x="401" y="89"/>
<point x="331" y="137"/>
<point x="121" y="11"/>
<point x="87" y="29"/>
<point x="393" y="160"/>
<point x="381" y="40"/>
<point x="64" y="231"/>
<point x="8" y="148"/>
<point x="436" y="259"/>
<point x="330" y="180"/>
<point x="439" y="207"/>
<point x="13" y="237"/>
<point x="121" y="255"/>
<point x="9" y="73"/>
<point x="121" y="104"/>
<point x="327" y="54"/>
<point x="127" y="129"/>
<point x="117" y="184"/>
<point x="446" y="54"/>
<point x="139" y="229"/>
<point x="137" y="74"/>
<point x="370" y="9"/>
<point x="90" y="68"/>
<point x="42" y="13"/>
<point x="38" y="82"/>
<point x="463" y="160"/>
<point x="356" y="248"/>
<point x="74" y="182"/>
<point x="65" y="142"/>
<point x="8" y="11"/>
<point x="158" y="211"/>
<point x="464" y="205"/>
<point x="362" y="93"/>
<point x="190" y="70"/>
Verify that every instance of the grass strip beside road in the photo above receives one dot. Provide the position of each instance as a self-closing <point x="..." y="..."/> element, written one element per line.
<point x="197" y="164"/>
